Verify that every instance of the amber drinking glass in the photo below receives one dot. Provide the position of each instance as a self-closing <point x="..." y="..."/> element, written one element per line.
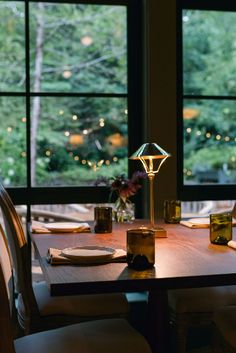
<point x="220" y="228"/>
<point x="140" y="248"/>
<point x="103" y="219"/>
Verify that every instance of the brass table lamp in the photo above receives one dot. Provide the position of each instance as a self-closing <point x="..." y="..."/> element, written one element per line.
<point x="152" y="157"/>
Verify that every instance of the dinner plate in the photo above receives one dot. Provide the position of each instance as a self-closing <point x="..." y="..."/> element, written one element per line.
<point x="64" y="226"/>
<point x="89" y="254"/>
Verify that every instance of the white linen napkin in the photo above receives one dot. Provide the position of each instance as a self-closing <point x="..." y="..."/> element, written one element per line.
<point x="232" y="244"/>
<point x="55" y="257"/>
<point x="40" y="227"/>
<point x="196" y="223"/>
<point x="200" y="222"/>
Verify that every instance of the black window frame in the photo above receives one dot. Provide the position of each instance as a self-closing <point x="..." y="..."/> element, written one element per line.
<point x="201" y="191"/>
<point x="93" y="194"/>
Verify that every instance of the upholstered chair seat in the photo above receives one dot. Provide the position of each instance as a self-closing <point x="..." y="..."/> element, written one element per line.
<point x="195" y="307"/>
<point x="224" y="339"/>
<point x="114" y="335"/>
<point x="71" y="309"/>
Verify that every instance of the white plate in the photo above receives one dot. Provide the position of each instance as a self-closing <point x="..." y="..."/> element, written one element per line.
<point x="88" y="254"/>
<point x="64" y="226"/>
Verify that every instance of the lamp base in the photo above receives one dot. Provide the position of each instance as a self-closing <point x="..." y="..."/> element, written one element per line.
<point x="159" y="232"/>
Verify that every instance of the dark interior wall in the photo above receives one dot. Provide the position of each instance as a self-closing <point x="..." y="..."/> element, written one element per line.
<point x="161" y="92"/>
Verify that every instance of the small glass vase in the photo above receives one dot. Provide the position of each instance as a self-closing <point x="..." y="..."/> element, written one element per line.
<point x="124" y="210"/>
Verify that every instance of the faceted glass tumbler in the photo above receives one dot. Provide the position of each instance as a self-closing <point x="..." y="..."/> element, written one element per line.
<point x="103" y="219"/>
<point x="172" y="211"/>
<point x="140" y="248"/>
<point x="220" y="228"/>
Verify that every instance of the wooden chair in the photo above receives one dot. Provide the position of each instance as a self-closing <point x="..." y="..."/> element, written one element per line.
<point x="110" y="335"/>
<point x="194" y="308"/>
<point x="224" y="336"/>
<point x="37" y="310"/>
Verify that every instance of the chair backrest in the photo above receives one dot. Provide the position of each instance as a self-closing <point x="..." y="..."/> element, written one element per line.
<point x="19" y="251"/>
<point x="6" y="297"/>
<point x="234" y="211"/>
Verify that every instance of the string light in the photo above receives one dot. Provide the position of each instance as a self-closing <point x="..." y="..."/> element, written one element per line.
<point x="101" y="122"/>
<point x="73" y="140"/>
<point x="9" y="129"/>
<point x="86" y="41"/>
<point x="209" y="135"/>
<point x="95" y="165"/>
<point x="23" y="120"/>
<point x="67" y="74"/>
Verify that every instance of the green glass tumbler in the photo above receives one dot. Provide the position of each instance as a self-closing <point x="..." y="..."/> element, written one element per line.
<point x="172" y="211"/>
<point x="140" y="248"/>
<point x="103" y="219"/>
<point x="220" y="228"/>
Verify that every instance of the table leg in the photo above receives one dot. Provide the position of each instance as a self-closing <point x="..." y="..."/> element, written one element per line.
<point x="158" y="321"/>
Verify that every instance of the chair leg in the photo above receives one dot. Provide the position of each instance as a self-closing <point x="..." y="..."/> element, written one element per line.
<point x="181" y="339"/>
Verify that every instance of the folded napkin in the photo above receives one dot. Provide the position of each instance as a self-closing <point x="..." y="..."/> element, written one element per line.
<point x="232" y="244"/>
<point x="55" y="257"/>
<point x="196" y="223"/>
<point x="200" y="222"/>
<point x="40" y="227"/>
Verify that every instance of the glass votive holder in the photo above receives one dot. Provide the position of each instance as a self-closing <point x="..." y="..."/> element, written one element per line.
<point x="140" y="248"/>
<point x="102" y="219"/>
<point x="172" y="211"/>
<point x="220" y="228"/>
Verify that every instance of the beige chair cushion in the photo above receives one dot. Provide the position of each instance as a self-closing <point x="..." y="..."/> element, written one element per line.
<point x="225" y="321"/>
<point x="102" y="305"/>
<point x="101" y="336"/>
<point x="201" y="299"/>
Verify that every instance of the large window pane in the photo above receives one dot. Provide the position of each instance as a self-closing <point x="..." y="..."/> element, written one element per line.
<point x="12" y="52"/>
<point x="78" y="48"/>
<point x="209" y="52"/>
<point x="12" y="141"/>
<point x="78" y="140"/>
<point x="209" y="141"/>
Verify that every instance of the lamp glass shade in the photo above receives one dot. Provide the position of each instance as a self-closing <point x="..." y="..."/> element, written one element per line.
<point x="150" y="151"/>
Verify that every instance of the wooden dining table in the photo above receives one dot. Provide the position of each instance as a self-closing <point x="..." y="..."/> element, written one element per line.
<point x="185" y="259"/>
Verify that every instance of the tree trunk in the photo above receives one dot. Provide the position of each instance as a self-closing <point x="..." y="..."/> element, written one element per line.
<point x="35" y="116"/>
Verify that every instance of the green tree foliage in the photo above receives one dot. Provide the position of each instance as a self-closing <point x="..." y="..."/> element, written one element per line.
<point x="209" y="52"/>
<point x="84" y="50"/>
